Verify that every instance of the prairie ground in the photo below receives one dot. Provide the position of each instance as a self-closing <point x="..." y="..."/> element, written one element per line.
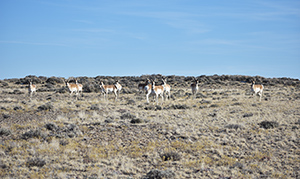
<point x="224" y="132"/>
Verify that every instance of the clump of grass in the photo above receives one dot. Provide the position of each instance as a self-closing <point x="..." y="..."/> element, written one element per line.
<point x="45" y="107"/>
<point x="16" y="92"/>
<point x="128" y="116"/>
<point x="37" y="133"/>
<point x="38" y="162"/>
<point x="5" y="132"/>
<point x="3" y="165"/>
<point x="268" y="124"/>
<point x="214" y="106"/>
<point x="16" y="108"/>
<point x="63" y="142"/>
<point x="108" y="121"/>
<point x="51" y="126"/>
<point x="150" y="107"/>
<point x="68" y="131"/>
<point x="72" y="130"/>
<point x="205" y="102"/>
<point x="236" y="104"/>
<point x="131" y="102"/>
<point x="158" y="107"/>
<point x="248" y="115"/>
<point x="137" y="120"/>
<point x="159" y="174"/>
<point x="5" y="116"/>
<point x="170" y="156"/>
<point x="179" y="106"/>
<point x="94" y="107"/>
<point x="234" y="126"/>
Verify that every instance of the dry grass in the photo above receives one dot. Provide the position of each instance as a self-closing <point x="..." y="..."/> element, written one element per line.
<point x="216" y="135"/>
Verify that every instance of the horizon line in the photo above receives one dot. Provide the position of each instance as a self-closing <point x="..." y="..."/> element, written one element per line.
<point x="154" y="74"/>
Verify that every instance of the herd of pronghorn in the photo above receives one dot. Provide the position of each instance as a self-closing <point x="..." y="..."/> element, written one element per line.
<point x="149" y="87"/>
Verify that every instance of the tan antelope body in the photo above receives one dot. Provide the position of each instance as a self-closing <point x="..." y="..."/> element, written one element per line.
<point x="257" y="89"/>
<point x="72" y="88"/>
<point x="79" y="87"/>
<point x="118" y="86"/>
<point x="167" y="88"/>
<point x="142" y="86"/>
<point x="158" y="91"/>
<point x="195" y="87"/>
<point x="105" y="89"/>
<point x="31" y="89"/>
<point x="148" y="90"/>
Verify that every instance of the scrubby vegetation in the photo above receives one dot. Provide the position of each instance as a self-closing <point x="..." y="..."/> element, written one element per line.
<point x="224" y="132"/>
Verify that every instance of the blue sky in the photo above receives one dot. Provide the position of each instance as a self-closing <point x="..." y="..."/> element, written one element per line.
<point x="135" y="37"/>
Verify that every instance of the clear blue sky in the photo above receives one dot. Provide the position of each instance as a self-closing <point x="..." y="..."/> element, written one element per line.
<point x="134" y="37"/>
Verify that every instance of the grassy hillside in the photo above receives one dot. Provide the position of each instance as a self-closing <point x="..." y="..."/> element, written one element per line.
<point x="224" y="132"/>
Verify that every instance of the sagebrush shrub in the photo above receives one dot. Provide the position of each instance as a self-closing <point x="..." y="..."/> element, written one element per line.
<point x="5" y="132"/>
<point x="33" y="134"/>
<point x="45" y="107"/>
<point x="170" y="156"/>
<point x="268" y="124"/>
<point x="38" y="162"/>
<point x="160" y="174"/>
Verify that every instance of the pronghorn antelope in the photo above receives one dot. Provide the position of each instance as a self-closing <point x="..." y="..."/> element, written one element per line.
<point x="195" y="87"/>
<point x="79" y="87"/>
<point x="118" y="86"/>
<point x="31" y="89"/>
<point x="105" y="89"/>
<point x="148" y="89"/>
<point x="167" y="88"/>
<point x="72" y="87"/>
<point x="157" y="90"/>
<point x="257" y="89"/>
<point x="142" y="86"/>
